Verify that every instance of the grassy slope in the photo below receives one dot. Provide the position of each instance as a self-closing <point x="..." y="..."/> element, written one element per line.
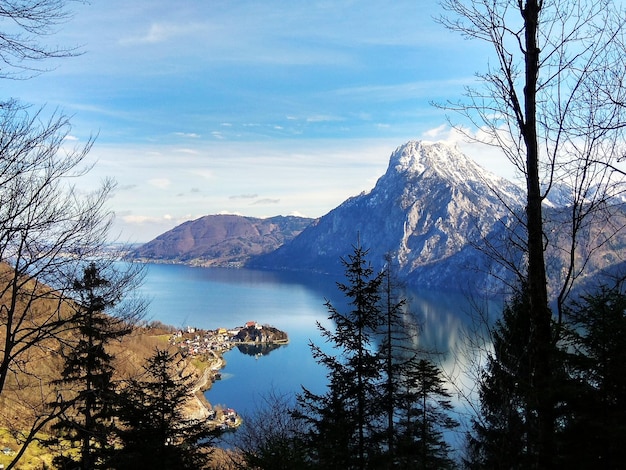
<point x="27" y="390"/>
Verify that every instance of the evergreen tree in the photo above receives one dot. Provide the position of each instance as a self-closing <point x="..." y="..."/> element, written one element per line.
<point x="386" y="406"/>
<point x="393" y="350"/>
<point x="502" y="435"/>
<point x="153" y="431"/>
<point x="413" y="399"/>
<point x="596" y="345"/>
<point x="344" y="420"/>
<point x="425" y="408"/>
<point x="86" y="389"/>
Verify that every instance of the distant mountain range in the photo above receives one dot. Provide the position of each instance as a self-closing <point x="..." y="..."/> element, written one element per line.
<point x="221" y="240"/>
<point x="447" y="223"/>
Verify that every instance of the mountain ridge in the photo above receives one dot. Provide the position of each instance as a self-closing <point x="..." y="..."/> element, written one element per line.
<point x="221" y="240"/>
<point x="447" y="223"/>
<point x="431" y="204"/>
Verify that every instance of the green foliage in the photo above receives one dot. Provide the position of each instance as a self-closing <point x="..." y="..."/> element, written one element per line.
<point x="86" y="389"/>
<point x="424" y="414"/>
<point x="384" y="407"/>
<point x="413" y="397"/>
<point x="344" y="420"/>
<point x="154" y="432"/>
<point x="393" y="350"/>
<point x="589" y="389"/>
<point x="595" y="430"/>
<point x="502" y="435"/>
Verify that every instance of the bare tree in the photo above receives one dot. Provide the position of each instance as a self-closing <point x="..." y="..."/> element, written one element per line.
<point x="44" y="220"/>
<point x="23" y="26"/>
<point x="45" y="225"/>
<point x="48" y="229"/>
<point x="553" y="102"/>
<point x="271" y="437"/>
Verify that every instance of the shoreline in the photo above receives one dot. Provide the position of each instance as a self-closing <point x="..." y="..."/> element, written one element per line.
<point x="203" y="351"/>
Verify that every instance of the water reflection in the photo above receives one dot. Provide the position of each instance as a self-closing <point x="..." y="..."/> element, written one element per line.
<point x="443" y="324"/>
<point x="257" y="350"/>
<point x="452" y="331"/>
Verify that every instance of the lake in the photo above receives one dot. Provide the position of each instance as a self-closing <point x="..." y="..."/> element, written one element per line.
<point x="209" y="298"/>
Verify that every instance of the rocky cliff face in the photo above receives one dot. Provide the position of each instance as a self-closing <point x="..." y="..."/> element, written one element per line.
<point x="264" y="334"/>
<point x="448" y="224"/>
<point x="432" y="204"/>
<point x="221" y="240"/>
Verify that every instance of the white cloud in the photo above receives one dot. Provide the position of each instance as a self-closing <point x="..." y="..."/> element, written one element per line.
<point x="202" y="173"/>
<point x="297" y="214"/>
<point x="187" y="151"/>
<point x="140" y="219"/>
<point x="266" y="201"/>
<point x="161" y="183"/>
<point x="244" y="196"/>
<point x="159" y="32"/>
<point x="437" y="132"/>
<point x="191" y="135"/>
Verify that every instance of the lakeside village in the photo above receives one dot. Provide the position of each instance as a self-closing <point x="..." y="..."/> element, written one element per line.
<point x="206" y="349"/>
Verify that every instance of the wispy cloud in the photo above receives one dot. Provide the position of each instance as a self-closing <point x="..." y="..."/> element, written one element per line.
<point x="190" y="135"/>
<point x="161" y="183"/>
<point x="187" y="151"/>
<point x="442" y="131"/>
<point x="265" y="201"/>
<point x="159" y="32"/>
<point x="324" y="118"/>
<point x="244" y="196"/>
<point x="145" y="219"/>
<point x="224" y="103"/>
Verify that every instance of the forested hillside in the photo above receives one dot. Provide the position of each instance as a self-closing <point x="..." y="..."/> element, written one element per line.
<point x="221" y="240"/>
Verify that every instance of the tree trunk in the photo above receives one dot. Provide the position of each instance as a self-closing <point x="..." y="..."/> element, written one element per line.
<point x="540" y="314"/>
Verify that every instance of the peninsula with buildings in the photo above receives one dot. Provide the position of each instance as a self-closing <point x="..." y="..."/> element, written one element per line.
<point x="205" y="350"/>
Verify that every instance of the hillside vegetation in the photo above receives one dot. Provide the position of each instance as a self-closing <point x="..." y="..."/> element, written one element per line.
<point x="221" y="240"/>
<point x="30" y="388"/>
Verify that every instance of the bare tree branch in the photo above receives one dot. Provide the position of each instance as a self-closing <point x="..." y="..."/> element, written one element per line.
<point x="24" y="24"/>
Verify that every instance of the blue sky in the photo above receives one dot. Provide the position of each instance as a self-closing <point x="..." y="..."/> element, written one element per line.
<point x="252" y="107"/>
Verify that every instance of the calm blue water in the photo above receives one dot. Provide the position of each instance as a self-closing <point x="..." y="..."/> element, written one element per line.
<point x="213" y="297"/>
<point x="210" y="298"/>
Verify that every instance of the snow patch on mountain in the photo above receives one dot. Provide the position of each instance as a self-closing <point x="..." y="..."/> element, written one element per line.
<point x="430" y="205"/>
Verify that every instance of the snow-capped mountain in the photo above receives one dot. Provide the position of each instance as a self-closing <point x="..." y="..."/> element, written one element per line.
<point x="447" y="223"/>
<point x="432" y="209"/>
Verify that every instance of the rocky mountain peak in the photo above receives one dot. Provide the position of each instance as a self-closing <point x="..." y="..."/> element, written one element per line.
<point x="417" y="156"/>
<point x="432" y="203"/>
<point x="439" y="161"/>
